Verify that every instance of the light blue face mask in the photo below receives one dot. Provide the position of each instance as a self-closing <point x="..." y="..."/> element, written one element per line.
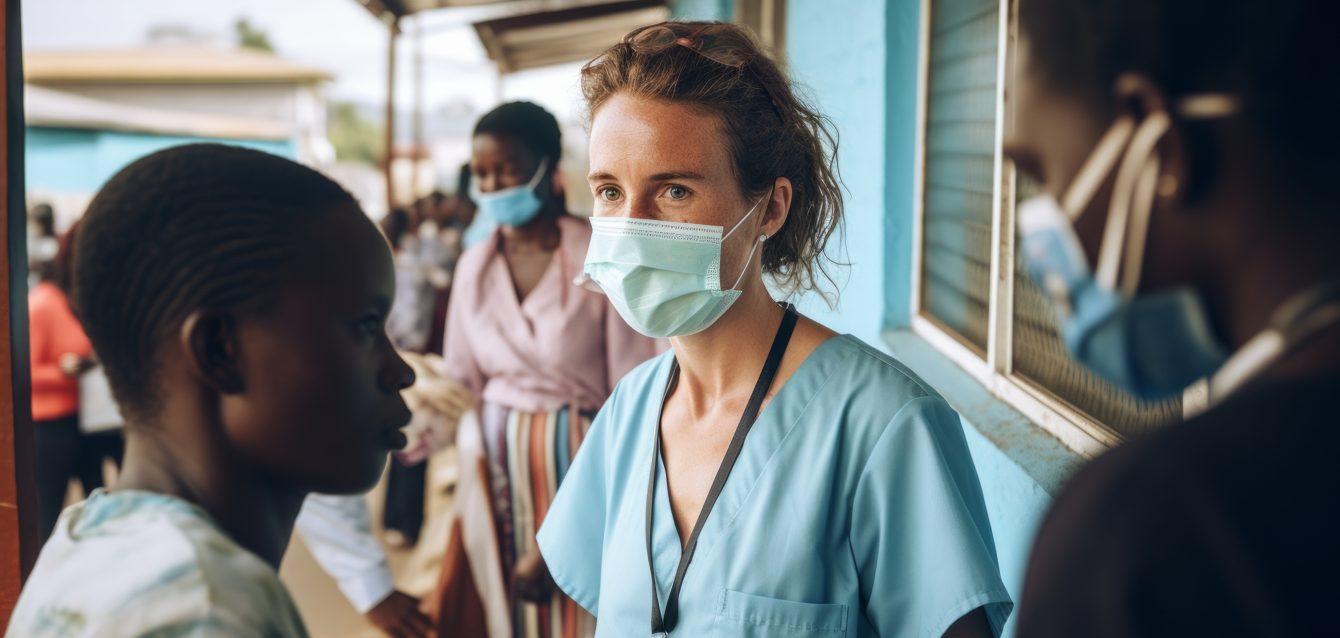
<point x="1152" y="345"/>
<point x="514" y="206"/>
<point x="664" y="278"/>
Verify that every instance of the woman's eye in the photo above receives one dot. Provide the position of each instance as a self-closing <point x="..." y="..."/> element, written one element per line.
<point x="608" y="194"/>
<point x="676" y="192"/>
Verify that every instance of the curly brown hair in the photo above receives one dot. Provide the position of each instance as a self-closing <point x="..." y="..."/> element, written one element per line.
<point x="771" y="132"/>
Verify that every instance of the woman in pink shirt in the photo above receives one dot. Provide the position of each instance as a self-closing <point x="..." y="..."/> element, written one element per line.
<point x="541" y="354"/>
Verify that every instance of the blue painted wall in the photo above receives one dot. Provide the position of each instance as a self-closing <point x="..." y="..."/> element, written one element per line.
<point x="901" y="35"/>
<point x="838" y="58"/>
<point x="703" y="10"/>
<point x="81" y="160"/>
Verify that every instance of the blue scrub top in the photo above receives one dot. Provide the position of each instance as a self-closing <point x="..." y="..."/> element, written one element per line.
<point x="854" y="510"/>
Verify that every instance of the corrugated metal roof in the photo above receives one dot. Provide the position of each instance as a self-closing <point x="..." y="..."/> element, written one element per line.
<point x="573" y="34"/>
<point x="165" y="64"/>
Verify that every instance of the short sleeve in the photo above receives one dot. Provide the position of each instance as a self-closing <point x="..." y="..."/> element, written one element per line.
<point x="338" y="531"/>
<point x="920" y="535"/>
<point x="572" y="537"/>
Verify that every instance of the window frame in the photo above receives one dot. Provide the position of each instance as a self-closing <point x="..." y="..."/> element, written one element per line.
<point x="994" y="368"/>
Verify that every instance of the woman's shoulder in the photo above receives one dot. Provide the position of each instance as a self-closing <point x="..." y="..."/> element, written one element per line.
<point x="875" y="373"/>
<point x="44" y="294"/>
<point x="875" y="393"/>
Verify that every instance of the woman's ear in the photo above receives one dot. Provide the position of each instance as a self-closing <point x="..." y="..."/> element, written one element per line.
<point x="778" y="207"/>
<point x="212" y="345"/>
<point x="556" y="181"/>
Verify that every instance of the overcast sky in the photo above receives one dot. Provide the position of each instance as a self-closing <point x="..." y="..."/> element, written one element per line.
<point x="337" y="35"/>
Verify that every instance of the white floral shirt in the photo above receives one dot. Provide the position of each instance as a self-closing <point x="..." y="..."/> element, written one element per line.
<point x="130" y="563"/>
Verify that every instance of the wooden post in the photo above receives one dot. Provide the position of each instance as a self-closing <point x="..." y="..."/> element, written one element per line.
<point x="389" y="153"/>
<point x="18" y="496"/>
<point x="415" y="186"/>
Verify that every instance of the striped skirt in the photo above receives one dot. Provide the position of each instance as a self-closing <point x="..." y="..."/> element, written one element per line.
<point x="511" y="466"/>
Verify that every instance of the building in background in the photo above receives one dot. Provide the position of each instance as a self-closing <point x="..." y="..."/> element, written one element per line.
<point x="89" y="113"/>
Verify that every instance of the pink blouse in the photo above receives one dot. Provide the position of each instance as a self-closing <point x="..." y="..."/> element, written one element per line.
<point x="562" y="345"/>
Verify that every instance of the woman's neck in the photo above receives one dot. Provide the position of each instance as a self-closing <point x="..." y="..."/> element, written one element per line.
<point x="540" y="233"/>
<point x="726" y="358"/>
<point x="255" y="513"/>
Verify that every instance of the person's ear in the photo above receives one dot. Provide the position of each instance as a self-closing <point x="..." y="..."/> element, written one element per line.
<point x="556" y="181"/>
<point x="1138" y="95"/>
<point x="777" y="208"/>
<point x="211" y="341"/>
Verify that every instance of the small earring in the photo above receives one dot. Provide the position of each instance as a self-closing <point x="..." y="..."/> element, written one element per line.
<point x="1168" y="186"/>
<point x="763" y="237"/>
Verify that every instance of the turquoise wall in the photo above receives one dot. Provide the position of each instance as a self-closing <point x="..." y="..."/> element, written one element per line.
<point x="837" y="56"/>
<point x="81" y="160"/>
<point x="703" y="10"/>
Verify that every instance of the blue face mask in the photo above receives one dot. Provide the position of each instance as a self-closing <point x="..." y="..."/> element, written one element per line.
<point x="664" y="278"/>
<point x="1152" y="345"/>
<point x="514" y="206"/>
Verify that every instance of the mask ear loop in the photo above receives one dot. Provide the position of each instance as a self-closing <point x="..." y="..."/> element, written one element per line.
<point x="1143" y="143"/>
<point x="746" y="216"/>
<point x="1146" y="187"/>
<point x="1096" y="169"/>
<point x="539" y="173"/>
<point x="761" y="238"/>
<point x="748" y="260"/>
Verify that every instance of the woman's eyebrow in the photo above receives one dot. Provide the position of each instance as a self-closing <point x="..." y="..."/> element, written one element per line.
<point x="677" y="175"/>
<point x="658" y="177"/>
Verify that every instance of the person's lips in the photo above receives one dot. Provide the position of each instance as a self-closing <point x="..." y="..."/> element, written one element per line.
<point x="391" y="434"/>
<point x="394" y="439"/>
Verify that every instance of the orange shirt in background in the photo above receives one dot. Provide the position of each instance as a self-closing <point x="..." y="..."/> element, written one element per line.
<point x="54" y="332"/>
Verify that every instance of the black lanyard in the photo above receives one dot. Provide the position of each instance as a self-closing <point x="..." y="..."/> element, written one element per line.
<point x="663" y="625"/>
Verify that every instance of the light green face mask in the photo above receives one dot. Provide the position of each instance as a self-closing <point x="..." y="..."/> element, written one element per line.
<point x="664" y="278"/>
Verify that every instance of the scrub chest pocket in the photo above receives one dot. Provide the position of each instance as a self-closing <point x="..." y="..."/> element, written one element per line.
<point x="750" y="616"/>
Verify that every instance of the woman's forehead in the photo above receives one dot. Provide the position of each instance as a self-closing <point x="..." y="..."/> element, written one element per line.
<point x="647" y="136"/>
<point x="496" y="147"/>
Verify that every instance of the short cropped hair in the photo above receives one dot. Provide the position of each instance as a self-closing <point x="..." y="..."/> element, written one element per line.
<point x="200" y="226"/>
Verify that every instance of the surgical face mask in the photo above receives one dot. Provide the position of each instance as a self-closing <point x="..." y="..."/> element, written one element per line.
<point x="664" y="278"/>
<point x="1152" y="345"/>
<point x="514" y="206"/>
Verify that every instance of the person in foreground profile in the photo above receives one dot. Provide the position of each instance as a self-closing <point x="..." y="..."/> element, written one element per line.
<point x="767" y="477"/>
<point x="1189" y="231"/>
<point x="238" y="303"/>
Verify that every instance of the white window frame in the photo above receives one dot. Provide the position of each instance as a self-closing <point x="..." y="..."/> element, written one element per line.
<point x="993" y="369"/>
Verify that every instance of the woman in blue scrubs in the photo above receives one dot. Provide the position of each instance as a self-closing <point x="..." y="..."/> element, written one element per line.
<point x="767" y="477"/>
